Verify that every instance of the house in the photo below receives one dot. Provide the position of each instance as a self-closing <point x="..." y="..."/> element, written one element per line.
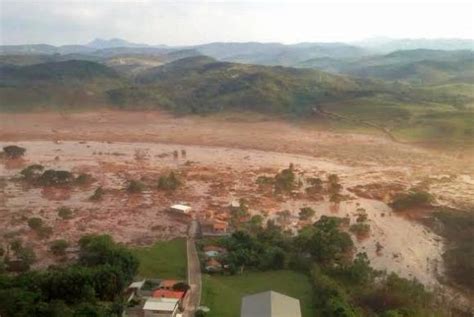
<point x="182" y="209"/>
<point x="167" y="284"/>
<point x="220" y="226"/>
<point x="213" y="265"/>
<point x="164" y="293"/>
<point x="214" y="227"/>
<point x="270" y="304"/>
<point x="134" y="290"/>
<point x="161" y="307"/>
<point x="212" y="251"/>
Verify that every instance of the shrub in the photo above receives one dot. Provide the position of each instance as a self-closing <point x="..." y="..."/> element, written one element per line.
<point x="65" y="212"/>
<point x="58" y="247"/>
<point x="83" y="179"/>
<point x="32" y="171"/>
<point x="98" y="194"/>
<point x="306" y="213"/>
<point x="285" y="180"/>
<point x="53" y="178"/>
<point x="169" y="182"/>
<point x="13" y="151"/>
<point x="35" y="223"/>
<point x="360" y="229"/>
<point x="135" y="186"/>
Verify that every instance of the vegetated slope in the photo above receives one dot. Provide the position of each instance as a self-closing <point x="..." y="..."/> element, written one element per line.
<point x="56" y="84"/>
<point x="132" y="64"/>
<point x="419" y="67"/>
<point x="422" y="72"/>
<point x="277" y="53"/>
<point x="202" y="84"/>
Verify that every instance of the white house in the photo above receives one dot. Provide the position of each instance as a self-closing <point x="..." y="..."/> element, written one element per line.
<point x="161" y="307"/>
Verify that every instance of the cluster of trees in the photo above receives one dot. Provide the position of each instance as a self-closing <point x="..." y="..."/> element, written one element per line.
<point x="411" y="199"/>
<point x="458" y="230"/>
<point x="37" y="175"/>
<point x="90" y="287"/>
<point x="344" y="285"/>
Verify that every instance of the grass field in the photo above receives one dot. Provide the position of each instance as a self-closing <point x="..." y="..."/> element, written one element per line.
<point x="164" y="259"/>
<point x="222" y="294"/>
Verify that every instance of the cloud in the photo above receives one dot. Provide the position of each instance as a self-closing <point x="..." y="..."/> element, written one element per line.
<point x="191" y="22"/>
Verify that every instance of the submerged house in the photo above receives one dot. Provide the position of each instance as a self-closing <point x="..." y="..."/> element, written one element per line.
<point x="270" y="304"/>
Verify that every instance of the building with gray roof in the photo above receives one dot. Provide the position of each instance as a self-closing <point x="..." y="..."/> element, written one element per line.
<point x="270" y="304"/>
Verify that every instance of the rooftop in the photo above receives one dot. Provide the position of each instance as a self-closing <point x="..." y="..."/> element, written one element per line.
<point x="162" y="293"/>
<point x="270" y="304"/>
<point x="161" y="304"/>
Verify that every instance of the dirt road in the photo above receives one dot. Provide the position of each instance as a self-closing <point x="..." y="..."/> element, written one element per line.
<point x="194" y="272"/>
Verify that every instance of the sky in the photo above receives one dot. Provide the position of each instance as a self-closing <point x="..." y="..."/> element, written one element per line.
<point x="188" y="22"/>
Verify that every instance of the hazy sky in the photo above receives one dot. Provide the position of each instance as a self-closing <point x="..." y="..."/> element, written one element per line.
<point x="192" y="22"/>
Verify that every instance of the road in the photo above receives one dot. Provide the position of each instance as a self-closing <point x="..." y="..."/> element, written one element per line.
<point x="193" y="300"/>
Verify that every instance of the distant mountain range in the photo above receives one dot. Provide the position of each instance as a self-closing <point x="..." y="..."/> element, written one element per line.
<point x="265" y="53"/>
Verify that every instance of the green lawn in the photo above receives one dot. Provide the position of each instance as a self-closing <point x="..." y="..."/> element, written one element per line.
<point x="222" y="294"/>
<point x="164" y="259"/>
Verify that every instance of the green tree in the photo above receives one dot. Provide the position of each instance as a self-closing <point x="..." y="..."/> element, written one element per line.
<point x="13" y="151"/>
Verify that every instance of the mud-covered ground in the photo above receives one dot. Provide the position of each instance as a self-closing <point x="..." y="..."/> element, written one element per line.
<point x="224" y="156"/>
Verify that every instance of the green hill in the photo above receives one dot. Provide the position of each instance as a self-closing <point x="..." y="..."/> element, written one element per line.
<point x="201" y="84"/>
<point x="56" y="84"/>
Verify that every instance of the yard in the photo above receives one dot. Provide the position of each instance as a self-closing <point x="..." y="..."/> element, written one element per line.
<point x="164" y="259"/>
<point x="222" y="294"/>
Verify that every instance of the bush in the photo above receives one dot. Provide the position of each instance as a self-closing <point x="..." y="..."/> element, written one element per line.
<point x="13" y="151"/>
<point x="360" y="229"/>
<point x="285" y="180"/>
<point x="58" y="247"/>
<point x="35" y="223"/>
<point x="32" y="172"/>
<point x="54" y="178"/>
<point x="65" y="212"/>
<point x="411" y="199"/>
<point x="135" y="186"/>
<point x="169" y="182"/>
<point x="83" y="179"/>
<point x="98" y="194"/>
<point x="306" y="213"/>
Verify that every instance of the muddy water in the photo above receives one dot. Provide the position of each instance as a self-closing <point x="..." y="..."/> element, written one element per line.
<point x="214" y="177"/>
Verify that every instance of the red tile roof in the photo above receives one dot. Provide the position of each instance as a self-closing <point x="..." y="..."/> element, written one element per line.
<point x="162" y="293"/>
<point x="167" y="283"/>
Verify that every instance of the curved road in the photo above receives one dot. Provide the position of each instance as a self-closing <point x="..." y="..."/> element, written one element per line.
<point x="192" y="301"/>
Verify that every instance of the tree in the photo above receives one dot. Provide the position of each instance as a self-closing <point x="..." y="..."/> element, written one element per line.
<point x="411" y="199"/>
<point x="13" y="151"/>
<point x="58" y="247"/>
<point x="326" y="242"/>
